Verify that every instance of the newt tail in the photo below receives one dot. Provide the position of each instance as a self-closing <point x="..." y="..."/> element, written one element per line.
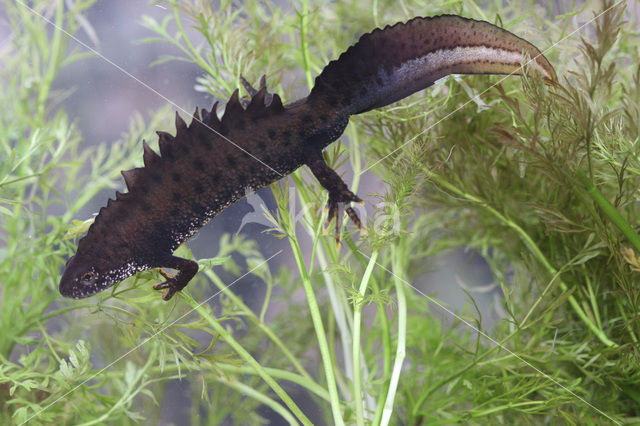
<point x="199" y="172"/>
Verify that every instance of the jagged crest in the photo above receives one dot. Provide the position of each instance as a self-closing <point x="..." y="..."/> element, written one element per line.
<point x="204" y="124"/>
<point x="205" y="128"/>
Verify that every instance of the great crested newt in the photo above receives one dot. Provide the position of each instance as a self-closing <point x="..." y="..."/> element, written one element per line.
<point x="209" y="163"/>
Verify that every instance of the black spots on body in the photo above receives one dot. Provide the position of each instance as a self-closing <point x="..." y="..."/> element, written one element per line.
<point x="271" y="133"/>
<point x="198" y="209"/>
<point x="144" y="204"/>
<point x="345" y="97"/>
<point x="99" y="231"/>
<point x="286" y="138"/>
<point x="205" y="142"/>
<point x="155" y="176"/>
<point x="167" y="152"/>
<point x="198" y="164"/>
<point x="176" y="177"/>
<point x="176" y="197"/>
<point x="124" y="214"/>
<point x="159" y="231"/>
<point x="241" y="178"/>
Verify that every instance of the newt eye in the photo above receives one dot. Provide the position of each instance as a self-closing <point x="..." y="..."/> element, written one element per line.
<point x="83" y="278"/>
<point x="87" y="277"/>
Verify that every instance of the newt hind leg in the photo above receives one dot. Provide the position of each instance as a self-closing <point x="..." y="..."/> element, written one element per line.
<point x="174" y="283"/>
<point x="339" y="192"/>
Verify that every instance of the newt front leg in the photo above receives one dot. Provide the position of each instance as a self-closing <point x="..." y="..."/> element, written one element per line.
<point x="186" y="270"/>
<point x="338" y="190"/>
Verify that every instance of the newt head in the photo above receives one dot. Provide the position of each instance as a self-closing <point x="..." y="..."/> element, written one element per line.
<point x="82" y="278"/>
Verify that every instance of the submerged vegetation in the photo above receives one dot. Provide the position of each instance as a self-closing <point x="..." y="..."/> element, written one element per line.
<point x="541" y="182"/>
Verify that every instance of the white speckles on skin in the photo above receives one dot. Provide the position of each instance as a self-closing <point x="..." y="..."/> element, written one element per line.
<point x="192" y="224"/>
<point x="105" y="280"/>
<point x="128" y="269"/>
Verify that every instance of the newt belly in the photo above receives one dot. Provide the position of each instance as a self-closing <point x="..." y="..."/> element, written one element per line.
<point x="210" y="163"/>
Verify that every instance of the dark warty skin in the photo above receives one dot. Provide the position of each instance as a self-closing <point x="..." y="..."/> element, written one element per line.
<point x="199" y="172"/>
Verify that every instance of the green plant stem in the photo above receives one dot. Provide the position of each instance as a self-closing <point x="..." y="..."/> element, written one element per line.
<point x="385" y="337"/>
<point x="592" y="298"/>
<point x="627" y="324"/>
<point x="374" y="8"/>
<point x="336" y="294"/>
<point x="314" y="311"/>
<point x="292" y="377"/>
<point x="260" y="397"/>
<point x="313" y="305"/>
<point x="310" y="385"/>
<point x="535" y="250"/>
<point x="63" y="311"/>
<point x="397" y="257"/>
<point x="331" y="288"/>
<point x="254" y="319"/>
<point x="609" y="210"/>
<point x="226" y="336"/>
<point x="355" y="350"/>
<point x="304" y="46"/>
